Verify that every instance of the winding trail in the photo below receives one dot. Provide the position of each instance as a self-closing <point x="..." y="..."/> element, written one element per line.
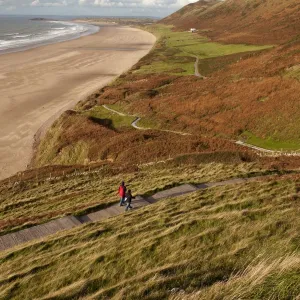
<point x="114" y="111"/>
<point x="258" y="149"/>
<point x="268" y="151"/>
<point x="254" y="147"/>
<point x="134" y="123"/>
<point x="68" y="222"/>
<point x="197" y="69"/>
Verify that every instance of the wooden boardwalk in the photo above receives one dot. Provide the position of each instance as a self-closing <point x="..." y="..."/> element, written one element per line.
<point x="40" y="231"/>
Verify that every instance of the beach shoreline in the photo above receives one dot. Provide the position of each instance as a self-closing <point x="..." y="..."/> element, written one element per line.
<point x="91" y="29"/>
<point x="39" y="84"/>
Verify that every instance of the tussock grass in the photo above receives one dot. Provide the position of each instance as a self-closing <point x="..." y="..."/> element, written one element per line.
<point x="35" y="201"/>
<point x="229" y="242"/>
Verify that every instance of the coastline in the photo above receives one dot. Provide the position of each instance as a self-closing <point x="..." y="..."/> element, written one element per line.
<point x="38" y="84"/>
<point x="55" y="40"/>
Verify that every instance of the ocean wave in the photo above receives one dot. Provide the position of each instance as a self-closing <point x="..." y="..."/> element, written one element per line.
<point x="11" y="34"/>
<point x="22" y="36"/>
<point x="70" y="31"/>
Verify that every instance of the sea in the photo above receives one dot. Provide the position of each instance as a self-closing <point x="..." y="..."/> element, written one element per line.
<point x="18" y="33"/>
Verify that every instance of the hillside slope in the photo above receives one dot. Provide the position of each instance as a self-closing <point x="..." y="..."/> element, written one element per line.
<point x="231" y="242"/>
<point x="239" y="241"/>
<point x="252" y="96"/>
<point x="241" y="21"/>
<point x="214" y="111"/>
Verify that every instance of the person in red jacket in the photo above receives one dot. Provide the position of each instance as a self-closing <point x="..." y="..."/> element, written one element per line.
<point x="122" y="193"/>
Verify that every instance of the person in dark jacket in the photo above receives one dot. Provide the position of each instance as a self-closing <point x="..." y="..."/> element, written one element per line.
<point x="122" y="193"/>
<point x="129" y="197"/>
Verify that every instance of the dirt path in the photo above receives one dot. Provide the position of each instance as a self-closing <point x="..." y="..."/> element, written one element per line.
<point x="197" y="69"/>
<point x="134" y="123"/>
<point x="116" y="112"/>
<point x="259" y="149"/>
<point x="268" y="151"/>
<point x="40" y="231"/>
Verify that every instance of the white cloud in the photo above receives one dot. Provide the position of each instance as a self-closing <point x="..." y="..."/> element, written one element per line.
<point x="135" y="3"/>
<point x="51" y="3"/>
<point x="35" y="3"/>
<point x="94" y="7"/>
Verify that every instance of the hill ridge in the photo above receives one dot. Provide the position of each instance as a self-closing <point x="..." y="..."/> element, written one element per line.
<point x="237" y="21"/>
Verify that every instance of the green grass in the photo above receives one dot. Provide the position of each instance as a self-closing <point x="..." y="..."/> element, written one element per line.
<point x="36" y="201"/>
<point x="116" y="120"/>
<point x="144" y="122"/>
<point x="213" y="64"/>
<point x="175" y="51"/>
<point x="270" y="143"/>
<point x="234" y="242"/>
<point x="149" y="123"/>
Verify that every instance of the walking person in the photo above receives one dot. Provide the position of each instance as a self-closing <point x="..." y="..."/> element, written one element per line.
<point x="122" y="193"/>
<point x="129" y="197"/>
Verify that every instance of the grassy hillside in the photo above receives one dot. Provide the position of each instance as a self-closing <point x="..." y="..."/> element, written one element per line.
<point x="251" y="96"/>
<point x="245" y="92"/>
<point x="241" y="21"/>
<point x="175" y="51"/>
<point x="222" y="243"/>
<point x="229" y="242"/>
<point x="36" y="200"/>
<point x="96" y="135"/>
<point x="74" y="138"/>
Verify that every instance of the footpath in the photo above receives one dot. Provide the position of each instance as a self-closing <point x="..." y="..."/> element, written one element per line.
<point x="260" y="151"/>
<point x="68" y="222"/>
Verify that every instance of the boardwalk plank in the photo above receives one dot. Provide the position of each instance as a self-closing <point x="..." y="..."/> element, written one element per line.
<point x="173" y="192"/>
<point x="39" y="231"/>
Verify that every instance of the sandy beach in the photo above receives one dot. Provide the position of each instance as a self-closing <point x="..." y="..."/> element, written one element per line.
<point x="37" y="85"/>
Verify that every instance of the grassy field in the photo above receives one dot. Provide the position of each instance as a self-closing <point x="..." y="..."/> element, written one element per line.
<point x="234" y="242"/>
<point x="122" y="108"/>
<point x="270" y="143"/>
<point x="33" y="202"/>
<point x="114" y="120"/>
<point x="175" y="51"/>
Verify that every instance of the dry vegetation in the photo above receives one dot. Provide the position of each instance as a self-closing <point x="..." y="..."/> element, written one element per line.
<point x="215" y="110"/>
<point x="229" y="242"/>
<point x="241" y="21"/>
<point x="36" y="200"/>
<point x="76" y="138"/>
<point x="267" y="115"/>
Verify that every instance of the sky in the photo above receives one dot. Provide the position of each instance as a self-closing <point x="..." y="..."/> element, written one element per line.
<point x="154" y="8"/>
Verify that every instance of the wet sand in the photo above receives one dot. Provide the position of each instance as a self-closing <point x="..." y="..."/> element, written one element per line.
<point x="37" y="85"/>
